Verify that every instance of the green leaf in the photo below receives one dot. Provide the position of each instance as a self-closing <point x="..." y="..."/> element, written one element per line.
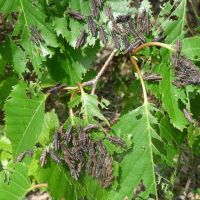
<point x="138" y="165"/>
<point x="93" y="188"/>
<point x="5" y="88"/>
<point x="90" y="108"/>
<point x="60" y="182"/>
<point x="19" y="184"/>
<point x="170" y="98"/>
<point x="7" y="6"/>
<point x="32" y="16"/>
<point x="51" y="124"/>
<point x="175" y="28"/>
<point x="191" y="48"/>
<point x="23" y="118"/>
<point x="170" y="135"/>
<point x="14" y="55"/>
<point x="68" y="71"/>
<point x="5" y="144"/>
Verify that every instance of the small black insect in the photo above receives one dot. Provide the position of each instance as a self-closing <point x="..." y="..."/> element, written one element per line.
<point x="102" y="35"/>
<point x="76" y="15"/>
<point x="54" y="156"/>
<point x="56" y="141"/>
<point x="116" y="28"/>
<point x="95" y="9"/>
<point x="135" y="32"/>
<point x="90" y="126"/>
<point x="115" y="140"/>
<point x="188" y="116"/>
<point x="21" y="157"/>
<point x="101" y="148"/>
<point x="81" y="39"/>
<point x="147" y="24"/>
<point x="92" y="26"/>
<point x="123" y="18"/>
<point x="140" y="18"/>
<point x="55" y="89"/>
<point x="109" y="12"/>
<point x="178" y="47"/>
<point x="68" y="134"/>
<point x="115" y="40"/>
<point x="132" y="46"/>
<point x="152" y="77"/>
<point x="43" y="158"/>
<point x="35" y="35"/>
<point x="99" y="3"/>
<point x="125" y="41"/>
<point x="159" y="38"/>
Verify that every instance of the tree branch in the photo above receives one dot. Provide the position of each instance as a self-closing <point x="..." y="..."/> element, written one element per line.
<point x="96" y="79"/>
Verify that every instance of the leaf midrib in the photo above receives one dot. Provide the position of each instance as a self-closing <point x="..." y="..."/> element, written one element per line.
<point x="27" y="127"/>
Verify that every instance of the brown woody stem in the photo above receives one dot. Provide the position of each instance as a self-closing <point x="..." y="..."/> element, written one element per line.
<point x="41" y="185"/>
<point x="149" y="44"/>
<point x="133" y="61"/>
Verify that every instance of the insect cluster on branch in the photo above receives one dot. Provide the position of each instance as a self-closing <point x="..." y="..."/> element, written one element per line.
<point x="127" y="32"/>
<point x="76" y="149"/>
<point x="186" y="72"/>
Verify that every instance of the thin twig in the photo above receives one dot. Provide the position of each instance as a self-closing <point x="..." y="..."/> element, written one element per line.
<point x="134" y="62"/>
<point x="148" y="44"/>
<point x="38" y="186"/>
<point x="96" y="79"/>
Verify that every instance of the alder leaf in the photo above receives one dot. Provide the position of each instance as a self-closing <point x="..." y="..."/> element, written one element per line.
<point x="138" y="165"/>
<point x="174" y="28"/>
<point x="170" y="98"/>
<point x="19" y="184"/>
<point x="14" y="55"/>
<point x="90" y="108"/>
<point x="32" y="16"/>
<point x="191" y="48"/>
<point x="51" y="124"/>
<point x="7" y="6"/>
<point x="23" y="118"/>
<point x="60" y="183"/>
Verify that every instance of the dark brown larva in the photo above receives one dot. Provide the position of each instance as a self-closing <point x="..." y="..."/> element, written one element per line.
<point x="35" y="35"/>
<point x="123" y="18"/>
<point x="43" y="158"/>
<point x="92" y="26"/>
<point x="95" y="9"/>
<point x="56" y="141"/>
<point x="147" y="25"/>
<point x="134" y="45"/>
<point x="76" y="15"/>
<point x="102" y="35"/>
<point x="134" y="31"/>
<point x="188" y="116"/>
<point x="152" y="77"/>
<point x="54" y="156"/>
<point x="109" y="12"/>
<point x="115" y="40"/>
<point x="125" y="41"/>
<point x="116" y="28"/>
<point x="81" y="39"/>
<point x="115" y="140"/>
<point x="99" y="3"/>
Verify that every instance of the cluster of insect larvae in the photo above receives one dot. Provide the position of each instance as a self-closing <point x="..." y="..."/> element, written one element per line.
<point x="186" y="72"/>
<point x="6" y="27"/>
<point x="127" y="33"/>
<point x="76" y="149"/>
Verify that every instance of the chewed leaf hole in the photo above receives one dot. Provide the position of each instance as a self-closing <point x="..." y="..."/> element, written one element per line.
<point x="138" y="117"/>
